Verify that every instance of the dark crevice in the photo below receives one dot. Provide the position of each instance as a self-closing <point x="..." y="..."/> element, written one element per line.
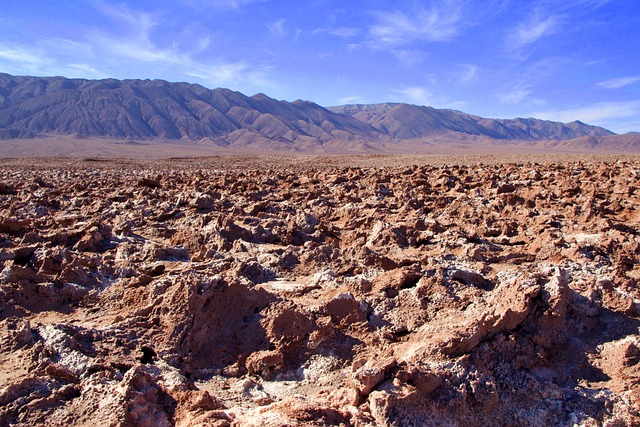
<point x="410" y="281"/>
<point x="148" y="355"/>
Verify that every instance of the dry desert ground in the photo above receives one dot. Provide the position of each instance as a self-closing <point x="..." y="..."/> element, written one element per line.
<point x="306" y="290"/>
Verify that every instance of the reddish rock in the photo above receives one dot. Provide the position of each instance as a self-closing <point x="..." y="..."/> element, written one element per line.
<point x="306" y="291"/>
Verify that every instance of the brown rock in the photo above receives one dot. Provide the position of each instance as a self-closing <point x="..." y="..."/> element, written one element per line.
<point x="367" y="375"/>
<point x="265" y="362"/>
<point x="344" y="309"/>
<point x="147" y="404"/>
<point x="308" y="291"/>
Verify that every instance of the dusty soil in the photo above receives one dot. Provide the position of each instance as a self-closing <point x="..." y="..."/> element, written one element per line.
<point x="390" y="291"/>
<point x="441" y="145"/>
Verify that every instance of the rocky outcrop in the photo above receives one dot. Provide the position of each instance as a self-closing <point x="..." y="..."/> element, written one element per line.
<point x="229" y="291"/>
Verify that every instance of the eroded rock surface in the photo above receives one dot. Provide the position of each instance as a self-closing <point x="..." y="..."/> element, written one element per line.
<point x="205" y="293"/>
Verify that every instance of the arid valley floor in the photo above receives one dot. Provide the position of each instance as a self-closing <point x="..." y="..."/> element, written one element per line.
<point x="284" y="290"/>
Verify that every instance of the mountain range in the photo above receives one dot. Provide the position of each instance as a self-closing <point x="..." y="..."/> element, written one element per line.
<point x="405" y="121"/>
<point x="137" y="110"/>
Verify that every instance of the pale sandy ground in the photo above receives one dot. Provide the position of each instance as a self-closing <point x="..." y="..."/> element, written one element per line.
<point x="103" y="148"/>
<point x="69" y="151"/>
<point x="100" y="148"/>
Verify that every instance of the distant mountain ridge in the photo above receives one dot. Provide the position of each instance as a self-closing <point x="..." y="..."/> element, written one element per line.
<point x="405" y="121"/>
<point x="156" y="109"/>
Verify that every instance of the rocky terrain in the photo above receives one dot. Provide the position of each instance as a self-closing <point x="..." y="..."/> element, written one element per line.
<point x="46" y="109"/>
<point x="320" y="291"/>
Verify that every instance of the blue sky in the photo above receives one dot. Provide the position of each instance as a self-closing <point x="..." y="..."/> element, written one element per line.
<point x="552" y="59"/>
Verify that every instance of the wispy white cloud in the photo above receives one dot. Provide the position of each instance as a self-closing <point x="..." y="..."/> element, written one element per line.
<point x="625" y="126"/>
<point x="422" y="95"/>
<point x="602" y="113"/>
<point x="354" y="46"/>
<point x="526" y="85"/>
<point x="619" y="82"/>
<point x="439" y="23"/>
<point x="230" y="73"/>
<point x="468" y="73"/>
<point x="140" y="52"/>
<point x="66" y="46"/>
<point x="222" y="4"/>
<point x="550" y="17"/>
<point x="415" y="95"/>
<point x="409" y="57"/>
<point x="42" y="59"/>
<point x="202" y="44"/>
<point x="135" y="42"/>
<point x="519" y="93"/>
<point x="346" y="32"/>
<point x="121" y="12"/>
<point x="570" y="4"/>
<point x="277" y="29"/>
<point x="354" y="99"/>
<point x="85" y="70"/>
<point x="21" y="54"/>
<point x="515" y="95"/>
<point x="136" y="48"/>
<point x="126" y="49"/>
<point x="534" y="29"/>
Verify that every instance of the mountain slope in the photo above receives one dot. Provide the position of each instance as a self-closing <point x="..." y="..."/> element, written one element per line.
<point x="156" y="109"/>
<point x="32" y="107"/>
<point x="404" y="121"/>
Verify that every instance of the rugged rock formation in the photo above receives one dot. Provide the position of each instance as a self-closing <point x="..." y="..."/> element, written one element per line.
<point x="231" y="292"/>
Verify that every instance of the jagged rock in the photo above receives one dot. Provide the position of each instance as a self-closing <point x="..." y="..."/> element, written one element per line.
<point x="345" y="309"/>
<point x="287" y="325"/>
<point x="506" y="188"/>
<point x="13" y="226"/>
<point x="264" y="362"/>
<point x="203" y="202"/>
<point x="471" y="278"/>
<point x="295" y="410"/>
<point x="149" y="182"/>
<point x="147" y="404"/>
<point x="6" y="189"/>
<point x="227" y="291"/>
<point x="17" y="334"/>
<point x="369" y="374"/>
<point x="255" y="272"/>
